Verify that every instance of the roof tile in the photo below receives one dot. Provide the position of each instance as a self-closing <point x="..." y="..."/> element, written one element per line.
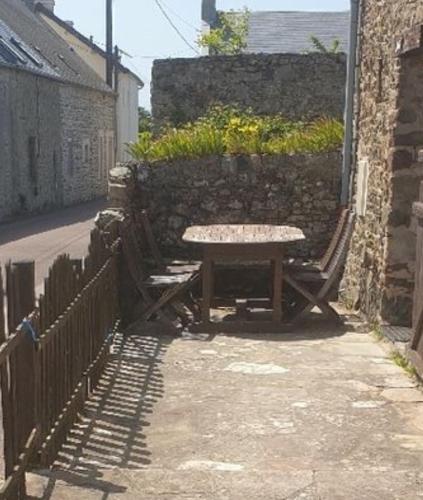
<point x="291" y="32"/>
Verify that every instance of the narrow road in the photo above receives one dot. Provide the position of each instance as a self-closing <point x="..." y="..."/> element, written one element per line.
<point x="44" y="237"/>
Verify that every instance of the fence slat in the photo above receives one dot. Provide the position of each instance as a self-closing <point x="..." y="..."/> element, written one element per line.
<point x="20" y="303"/>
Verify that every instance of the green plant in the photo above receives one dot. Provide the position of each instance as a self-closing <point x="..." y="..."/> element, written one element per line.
<point x="231" y="130"/>
<point x="144" y="120"/>
<point x="323" y="135"/>
<point x="377" y="332"/>
<point x="319" y="46"/>
<point x="230" y="36"/>
<point x="403" y="363"/>
<point x="141" y="150"/>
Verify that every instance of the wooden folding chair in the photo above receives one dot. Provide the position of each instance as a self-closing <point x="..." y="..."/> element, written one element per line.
<point x="159" y="261"/>
<point x="171" y="283"/>
<point x="321" y="265"/>
<point x="323" y="278"/>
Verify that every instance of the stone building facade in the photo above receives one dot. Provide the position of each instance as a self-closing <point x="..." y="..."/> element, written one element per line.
<point x="57" y="119"/>
<point x="379" y="277"/>
<point x="295" y="85"/>
<point x="88" y="151"/>
<point x="302" y="190"/>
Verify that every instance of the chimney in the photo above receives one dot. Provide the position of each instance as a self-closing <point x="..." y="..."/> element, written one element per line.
<point x="48" y="4"/>
<point x="209" y="12"/>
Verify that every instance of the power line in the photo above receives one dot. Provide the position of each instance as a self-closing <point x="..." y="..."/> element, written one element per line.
<point x="160" y="6"/>
<point x="180" y="17"/>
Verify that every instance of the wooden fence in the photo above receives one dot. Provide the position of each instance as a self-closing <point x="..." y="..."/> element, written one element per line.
<point x="52" y="352"/>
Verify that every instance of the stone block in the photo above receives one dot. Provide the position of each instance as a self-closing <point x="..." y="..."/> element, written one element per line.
<point x="118" y="195"/>
<point x="411" y="139"/>
<point x="402" y="158"/>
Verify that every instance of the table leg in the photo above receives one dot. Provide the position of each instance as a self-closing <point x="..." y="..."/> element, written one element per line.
<point x="277" y="289"/>
<point x="207" y="275"/>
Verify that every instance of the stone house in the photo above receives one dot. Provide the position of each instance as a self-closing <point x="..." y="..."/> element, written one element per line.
<point x="126" y="83"/>
<point x="57" y="118"/>
<point x="285" y="32"/>
<point x="379" y="278"/>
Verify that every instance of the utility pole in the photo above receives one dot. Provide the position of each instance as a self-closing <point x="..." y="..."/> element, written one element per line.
<point x="109" y="43"/>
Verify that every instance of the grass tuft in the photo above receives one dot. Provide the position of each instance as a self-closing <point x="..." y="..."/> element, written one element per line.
<point x="377" y="334"/>
<point x="403" y="363"/>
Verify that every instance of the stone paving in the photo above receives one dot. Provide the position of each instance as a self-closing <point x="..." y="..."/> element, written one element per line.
<point x="320" y="414"/>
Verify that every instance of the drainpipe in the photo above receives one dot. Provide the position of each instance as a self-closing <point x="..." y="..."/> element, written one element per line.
<point x="349" y="103"/>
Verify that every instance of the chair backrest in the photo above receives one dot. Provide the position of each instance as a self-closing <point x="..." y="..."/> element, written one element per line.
<point x="342" y="221"/>
<point x="132" y="253"/>
<point x="151" y="240"/>
<point x="339" y="256"/>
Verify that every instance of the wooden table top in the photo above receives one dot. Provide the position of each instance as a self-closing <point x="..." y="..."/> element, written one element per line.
<point x="242" y="234"/>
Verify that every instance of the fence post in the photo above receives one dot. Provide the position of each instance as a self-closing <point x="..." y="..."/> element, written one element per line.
<point x="23" y="387"/>
<point x="20" y="291"/>
<point x="7" y="416"/>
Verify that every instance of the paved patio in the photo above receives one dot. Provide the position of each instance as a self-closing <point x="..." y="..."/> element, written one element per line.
<point x="320" y="414"/>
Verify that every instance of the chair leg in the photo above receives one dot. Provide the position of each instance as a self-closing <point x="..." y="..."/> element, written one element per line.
<point x="326" y="309"/>
<point x="169" y="296"/>
<point x="314" y="300"/>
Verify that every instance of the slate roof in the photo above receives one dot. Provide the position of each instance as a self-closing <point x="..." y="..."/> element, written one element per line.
<point x="58" y="60"/>
<point x="70" y="29"/>
<point x="290" y="32"/>
<point x="15" y="52"/>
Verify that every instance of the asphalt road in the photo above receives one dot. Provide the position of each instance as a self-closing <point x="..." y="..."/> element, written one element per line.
<point x="44" y="237"/>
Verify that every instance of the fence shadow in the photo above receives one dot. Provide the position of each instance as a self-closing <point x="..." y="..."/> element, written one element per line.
<point x="110" y="433"/>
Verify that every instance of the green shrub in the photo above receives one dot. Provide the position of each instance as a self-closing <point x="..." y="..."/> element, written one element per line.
<point x="229" y="130"/>
<point x="321" y="136"/>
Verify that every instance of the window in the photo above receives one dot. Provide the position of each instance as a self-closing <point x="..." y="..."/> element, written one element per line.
<point x="10" y="53"/>
<point x="111" y="154"/>
<point x="24" y="51"/>
<point x="106" y="153"/>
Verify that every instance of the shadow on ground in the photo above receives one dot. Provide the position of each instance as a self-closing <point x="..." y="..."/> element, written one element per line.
<point x="25" y="226"/>
<point x="107" y="449"/>
<point x="110" y="433"/>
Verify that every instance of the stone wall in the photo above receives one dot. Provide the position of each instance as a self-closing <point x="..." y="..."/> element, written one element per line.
<point x="88" y="142"/>
<point x="298" y="86"/>
<point x="379" y="278"/>
<point x="50" y="143"/>
<point x="300" y="190"/>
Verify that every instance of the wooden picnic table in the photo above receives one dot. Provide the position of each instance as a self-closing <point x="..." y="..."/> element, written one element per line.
<point x="248" y="242"/>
